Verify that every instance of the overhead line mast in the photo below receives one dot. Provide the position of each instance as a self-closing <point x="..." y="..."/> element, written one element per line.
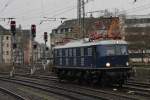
<point x="81" y="16"/>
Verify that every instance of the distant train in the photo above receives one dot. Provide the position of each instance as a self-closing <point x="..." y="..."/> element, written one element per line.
<point x="105" y="61"/>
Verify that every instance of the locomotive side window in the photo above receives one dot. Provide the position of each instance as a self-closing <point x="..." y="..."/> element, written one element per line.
<point x="74" y="52"/>
<point x="67" y="63"/>
<point x="82" y="51"/>
<point x="66" y="52"/>
<point x="89" y="51"/>
<point x="63" y="52"/>
<point x="60" y="52"/>
<point x="82" y="61"/>
<point x="75" y="61"/>
<point x="55" y="52"/>
<point x="70" y="52"/>
<point x="60" y="62"/>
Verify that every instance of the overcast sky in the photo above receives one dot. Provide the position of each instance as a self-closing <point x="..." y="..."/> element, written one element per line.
<point x="29" y="12"/>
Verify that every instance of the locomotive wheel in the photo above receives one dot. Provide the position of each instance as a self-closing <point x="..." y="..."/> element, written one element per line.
<point x="103" y="80"/>
<point x="78" y="74"/>
<point x="60" y="75"/>
<point x="95" y="79"/>
<point x="89" y="78"/>
<point x="121" y="82"/>
<point x="70" y="75"/>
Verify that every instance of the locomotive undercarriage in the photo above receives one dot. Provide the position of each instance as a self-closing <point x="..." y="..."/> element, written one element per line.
<point x="102" y="77"/>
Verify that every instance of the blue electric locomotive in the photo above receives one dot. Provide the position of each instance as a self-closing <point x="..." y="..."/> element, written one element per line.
<point x="100" y="61"/>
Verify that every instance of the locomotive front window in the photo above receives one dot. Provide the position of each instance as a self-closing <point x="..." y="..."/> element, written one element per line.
<point x="121" y="50"/>
<point x="124" y="50"/>
<point x="109" y="50"/>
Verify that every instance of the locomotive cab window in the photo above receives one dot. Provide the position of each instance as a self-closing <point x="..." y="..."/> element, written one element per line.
<point x="121" y="50"/>
<point x="110" y="50"/>
<point x="124" y="49"/>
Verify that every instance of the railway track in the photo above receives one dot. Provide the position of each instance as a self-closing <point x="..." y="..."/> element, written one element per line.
<point x="14" y="95"/>
<point x="82" y="92"/>
<point x="139" y="84"/>
<point x="72" y="95"/>
<point x="131" y="89"/>
<point x="136" y="87"/>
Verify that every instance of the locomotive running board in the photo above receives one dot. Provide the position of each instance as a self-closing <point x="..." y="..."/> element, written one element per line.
<point x="87" y="68"/>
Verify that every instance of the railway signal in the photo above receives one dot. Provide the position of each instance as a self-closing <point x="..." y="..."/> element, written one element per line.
<point x="45" y="36"/>
<point x="14" y="45"/>
<point x="13" y="27"/>
<point x="45" y="60"/>
<point x="47" y="48"/>
<point x="34" y="46"/>
<point x="33" y="30"/>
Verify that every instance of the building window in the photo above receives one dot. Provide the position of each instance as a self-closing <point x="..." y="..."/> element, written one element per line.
<point x="7" y="52"/>
<point x="66" y="29"/>
<point x="69" y="30"/>
<point x="8" y="60"/>
<point x="7" y="38"/>
<point x="7" y="45"/>
<point x="61" y="30"/>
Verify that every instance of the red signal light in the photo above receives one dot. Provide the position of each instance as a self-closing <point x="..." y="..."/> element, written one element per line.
<point x="45" y="36"/>
<point x="33" y="30"/>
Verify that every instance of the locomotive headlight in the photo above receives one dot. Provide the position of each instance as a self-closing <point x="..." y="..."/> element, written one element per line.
<point x="107" y="64"/>
<point x="127" y="63"/>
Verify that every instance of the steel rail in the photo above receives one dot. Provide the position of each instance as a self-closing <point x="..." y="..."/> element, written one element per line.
<point x="98" y="94"/>
<point x="18" y="97"/>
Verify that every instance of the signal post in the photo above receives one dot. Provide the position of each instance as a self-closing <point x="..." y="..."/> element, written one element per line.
<point x="45" y="49"/>
<point x="13" y="46"/>
<point x="33" y="35"/>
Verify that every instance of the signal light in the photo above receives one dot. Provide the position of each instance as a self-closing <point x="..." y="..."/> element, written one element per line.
<point x="47" y="48"/>
<point x="13" y="27"/>
<point x="34" y="46"/>
<point x="45" y="36"/>
<point x="33" y="30"/>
